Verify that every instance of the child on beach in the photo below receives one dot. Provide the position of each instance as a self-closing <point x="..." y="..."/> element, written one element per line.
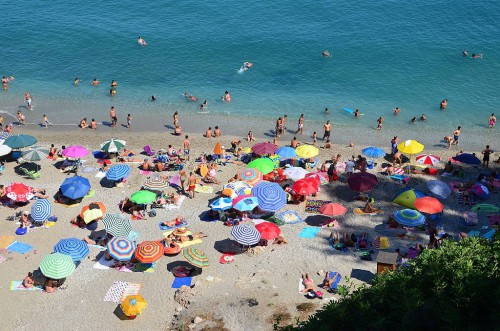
<point x="129" y="120"/>
<point x="250" y="136"/>
<point x="315" y="138"/>
<point x="45" y="121"/>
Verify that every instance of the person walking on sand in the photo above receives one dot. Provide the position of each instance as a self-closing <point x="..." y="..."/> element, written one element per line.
<point x="186" y="145"/>
<point x="492" y="121"/>
<point x="28" y="99"/>
<point x="456" y="135"/>
<point x="112" y="115"/>
<point x="486" y="156"/>
<point x="328" y="127"/>
<point x="300" y="126"/>
<point x="129" y="121"/>
<point x="380" y="121"/>
<point x="192" y="184"/>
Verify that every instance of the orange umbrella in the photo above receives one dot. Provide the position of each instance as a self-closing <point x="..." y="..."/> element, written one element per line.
<point x="332" y="209"/>
<point x="149" y="251"/>
<point x="428" y="205"/>
<point x="218" y="149"/>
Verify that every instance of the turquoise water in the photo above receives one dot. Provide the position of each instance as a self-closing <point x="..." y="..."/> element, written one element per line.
<point x="385" y="54"/>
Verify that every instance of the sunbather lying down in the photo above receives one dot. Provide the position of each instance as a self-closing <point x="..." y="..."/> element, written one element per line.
<point x="179" y="220"/>
<point x="182" y="237"/>
<point x="328" y="281"/>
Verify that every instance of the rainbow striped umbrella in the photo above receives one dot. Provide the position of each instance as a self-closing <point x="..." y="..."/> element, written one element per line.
<point x="251" y="176"/>
<point x="121" y="248"/>
<point x="149" y="251"/>
<point x="196" y="257"/>
<point x="57" y="266"/>
<point x="409" y="217"/>
<point x="155" y="183"/>
<point x="74" y="247"/>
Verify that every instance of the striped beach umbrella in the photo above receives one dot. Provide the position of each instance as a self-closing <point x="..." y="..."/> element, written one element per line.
<point x="264" y="148"/>
<point x="118" y="172"/>
<point x="57" y="266"/>
<point x="428" y="159"/>
<point x="286" y="152"/>
<point x="20" y="141"/>
<point x="75" y="187"/>
<point x="295" y="173"/>
<point x="271" y="196"/>
<point x="121" y="248"/>
<point x="19" y="192"/>
<point x="155" y="183"/>
<point x="245" y="234"/>
<point x="307" y="151"/>
<point x="245" y="202"/>
<point x="75" y="151"/>
<point x="40" y="210"/>
<point x="221" y="204"/>
<point x="133" y="305"/>
<point x="35" y="153"/>
<point x="116" y="225"/>
<point x="196" y="257"/>
<point x="149" y="251"/>
<point x="143" y="197"/>
<point x="4" y="135"/>
<point x="76" y="248"/>
<point x="113" y="146"/>
<point x="251" y="176"/>
<point x="439" y="189"/>
<point x="239" y="187"/>
<point x="264" y="165"/>
<point x="409" y="217"/>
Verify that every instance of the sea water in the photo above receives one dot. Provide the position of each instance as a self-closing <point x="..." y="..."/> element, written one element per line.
<point x="385" y="54"/>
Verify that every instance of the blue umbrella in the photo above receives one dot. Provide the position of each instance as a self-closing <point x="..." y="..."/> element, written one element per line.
<point x="245" y="203"/>
<point x="439" y="189"/>
<point x="286" y="152"/>
<point x="117" y="172"/>
<point x="75" y="187"/>
<point x="74" y="247"/>
<point x="40" y="210"/>
<point x="373" y="152"/>
<point x="245" y="234"/>
<point x="464" y="158"/>
<point x="271" y="196"/>
<point x="409" y="217"/>
<point x="221" y="204"/>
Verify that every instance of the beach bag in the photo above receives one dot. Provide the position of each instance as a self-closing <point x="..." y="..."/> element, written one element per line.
<point x="152" y="213"/>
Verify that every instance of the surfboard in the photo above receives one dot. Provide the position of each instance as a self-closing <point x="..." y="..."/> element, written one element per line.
<point x="349" y="110"/>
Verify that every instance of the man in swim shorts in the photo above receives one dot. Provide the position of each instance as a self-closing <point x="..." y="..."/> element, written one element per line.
<point x="112" y="115"/>
<point x="186" y="145"/>
<point x="300" y="126"/>
<point x="456" y="135"/>
<point x="328" y="127"/>
<point x="192" y="184"/>
<point x="27" y="99"/>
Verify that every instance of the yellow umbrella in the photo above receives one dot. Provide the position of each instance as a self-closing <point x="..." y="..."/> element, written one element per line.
<point x="410" y="147"/>
<point x="133" y="305"/>
<point x="307" y="151"/>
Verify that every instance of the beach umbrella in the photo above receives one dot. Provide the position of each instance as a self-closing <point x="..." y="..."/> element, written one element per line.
<point x="121" y="248"/>
<point x="322" y="177"/>
<point x="143" y="197"/>
<point x="133" y="305"/>
<point x="57" y="266"/>
<point x="264" y="165"/>
<point x="4" y="135"/>
<point x="295" y="173"/>
<point x="20" y="141"/>
<point x="428" y="159"/>
<point x="175" y="180"/>
<point x="428" y="205"/>
<point x="271" y="196"/>
<point x="196" y="257"/>
<point x="409" y="217"/>
<point x="306" y="186"/>
<point x="332" y="209"/>
<point x="373" y="152"/>
<point x="440" y="189"/>
<point x="467" y="158"/>
<point x="251" y="176"/>
<point x="407" y="196"/>
<point x="218" y="149"/>
<point x="19" y="192"/>
<point x="75" y="187"/>
<point x="481" y="191"/>
<point x="155" y="183"/>
<point x="264" y="148"/>
<point x="92" y="211"/>
<point x="276" y="159"/>
<point x="307" y="151"/>
<point x="362" y="182"/>
<point x="149" y="251"/>
<point x="76" y="248"/>
<point x="35" y="153"/>
<point x="113" y="146"/>
<point x="245" y="234"/>
<point x="118" y="172"/>
<point x="222" y="204"/>
<point x="75" y="151"/>
<point x="239" y="188"/>
<point x="286" y="152"/>
<point x="268" y="230"/>
<point x="116" y="225"/>
<point x="245" y="202"/>
<point x="4" y="150"/>
<point x="410" y="147"/>
<point x="40" y="210"/>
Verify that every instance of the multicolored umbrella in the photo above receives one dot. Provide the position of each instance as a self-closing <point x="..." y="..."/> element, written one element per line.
<point x="239" y="188"/>
<point x="222" y="204"/>
<point x="245" y="202"/>
<point x="467" y="158"/>
<point x="245" y="234"/>
<point x="268" y="230"/>
<point x="286" y="152"/>
<point x="121" y="248"/>
<point x="295" y="173"/>
<point x="20" y="141"/>
<point x="57" y="266"/>
<point x="264" y="165"/>
<point x="4" y="150"/>
<point x="264" y="148"/>
<point x="362" y="182"/>
<point x="40" y="210"/>
<point x="92" y="211"/>
<point x="407" y="196"/>
<point x="149" y="251"/>
<point x="332" y="209"/>
<point x="428" y="205"/>
<point x="75" y="151"/>
<point x="133" y="305"/>
<point x="19" y="192"/>
<point x="307" y="151"/>
<point x="428" y="159"/>
<point x="439" y="189"/>
<point x="116" y="225"/>
<point x="251" y="176"/>
<point x="113" y="146"/>
<point x="410" y="147"/>
<point x="155" y="183"/>
<point x="196" y="257"/>
<point x="276" y="159"/>
<point x="306" y="186"/>
<point x="143" y="197"/>
<point x="373" y="152"/>
<point x="409" y="217"/>
<point x="271" y="196"/>
<point x="76" y="248"/>
<point x="118" y="172"/>
<point x="75" y="187"/>
<point x="35" y="153"/>
<point x="321" y="176"/>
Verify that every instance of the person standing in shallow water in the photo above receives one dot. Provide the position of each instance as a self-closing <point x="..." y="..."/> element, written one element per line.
<point x="380" y="121"/>
<point x="300" y="125"/>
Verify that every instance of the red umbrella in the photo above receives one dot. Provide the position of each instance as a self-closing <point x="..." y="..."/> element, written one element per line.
<point x="264" y="148"/>
<point x="268" y="230"/>
<point x="428" y="205"/>
<point x="332" y="209"/>
<point x="305" y="186"/>
<point x="19" y="192"/>
<point x="315" y="177"/>
<point x="362" y="181"/>
<point x="149" y="251"/>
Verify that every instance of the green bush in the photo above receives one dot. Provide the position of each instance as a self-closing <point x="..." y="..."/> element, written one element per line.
<point x="456" y="287"/>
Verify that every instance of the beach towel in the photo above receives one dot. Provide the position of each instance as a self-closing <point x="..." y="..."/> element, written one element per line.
<point x="173" y="206"/>
<point x="400" y="178"/>
<point x="100" y="174"/>
<point x="472" y="198"/>
<point x="301" y="285"/>
<point x="181" y="281"/>
<point x="335" y="284"/>
<point x="19" y="247"/>
<point x="104" y="161"/>
<point x="399" y="171"/>
<point x="89" y="169"/>
<point x="103" y="264"/>
<point x="145" y="172"/>
<point x="360" y="211"/>
<point x="166" y="228"/>
<point x="131" y="289"/>
<point x="115" y="292"/>
<point x="144" y="267"/>
<point x="90" y="194"/>
<point x="17" y="285"/>
<point x="289" y="217"/>
<point x="204" y="189"/>
<point x="275" y="220"/>
<point x="312" y="206"/>
<point x="309" y="232"/>
<point x="5" y="241"/>
<point x="186" y="243"/>
<point x="381" y="243"/>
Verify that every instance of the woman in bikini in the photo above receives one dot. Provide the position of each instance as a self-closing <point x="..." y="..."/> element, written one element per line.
<point x="179" y="220"/>
<point x="308" y="283"/>
<point x="181" y="237"/>
<point x="327" y="282"/>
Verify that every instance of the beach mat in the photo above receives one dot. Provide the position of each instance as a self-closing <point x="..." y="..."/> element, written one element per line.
<point x="289" y="217"/>
<point x="187" y="243"/>
<point x="204" y="189"/>
<point x="2" y="258"/>
<point x="301" y="285"/>
<point x="360" y="211"/>
<point x="17" y="285"/>
<point x="309" y="232"/>
<point x="145" y="172"/>
<point x="100" y="174"/>
<point x="5" y="241"/>
<point x="90" y="194"/>
<point x="19" y="247"/>
<point x="131" y="289"/>
<point x="312" y="206"/>
<point x="181" y="281"/>
<point x="115" y="292"/>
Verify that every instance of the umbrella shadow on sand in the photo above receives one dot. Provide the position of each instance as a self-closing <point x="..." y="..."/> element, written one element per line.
<point x="228" y="245"/>
<point x="172" y="265"/>
<point x="389" y="158"/>
<point x="119" y="313"/>
<point x="316" y="220"/>
<point x="30" y="166"/>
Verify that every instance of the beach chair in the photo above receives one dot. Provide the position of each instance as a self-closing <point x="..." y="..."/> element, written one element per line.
<point x="73" y="168"/>
<point x="31" y="174"/>
<point x="148" y="151"/>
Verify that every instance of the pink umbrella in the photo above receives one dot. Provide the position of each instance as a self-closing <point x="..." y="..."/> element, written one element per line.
<point x="75" y="151"/>
<point x="264" y="148"/>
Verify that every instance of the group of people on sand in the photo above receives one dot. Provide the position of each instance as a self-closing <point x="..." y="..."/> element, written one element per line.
<point x="215" y="133"/>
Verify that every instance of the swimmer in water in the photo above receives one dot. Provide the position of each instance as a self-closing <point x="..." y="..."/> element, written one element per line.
<point x="443" y="104"/>
<point x="396" y="110"/>
<point x="413" y="120"/>
<point x="477" y="56"/>
<point x="356" y="114"/>
<point x="95" y="82"/>
<point x="141" y="41"/>
<point x="153" y="98"/>
<point x="492" y="121"/>
<point x="326" y="54"/>
<point x="227" y="96"/>
<point x="423" y="117"/>
<point x="76" y="82"/>
<point x="327" y="111"/>
<point x="247" y="65"/>
<point x="204" y="105"/>
<point x="464" y="53"/>
<point x="190" y="97"/>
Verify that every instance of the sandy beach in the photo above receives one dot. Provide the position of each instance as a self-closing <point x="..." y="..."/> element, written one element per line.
<point x="248" y="294"/>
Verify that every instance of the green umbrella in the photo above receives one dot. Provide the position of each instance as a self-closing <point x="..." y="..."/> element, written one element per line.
<point x="264" y="165"/>
<point x="57" y="266"/>
<point x="142" y="197"/>
<point x="35" y="153"/>
<point x="20" y="141"/>
<point x="196" y="257"/>
<point x="113" y="146"/>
